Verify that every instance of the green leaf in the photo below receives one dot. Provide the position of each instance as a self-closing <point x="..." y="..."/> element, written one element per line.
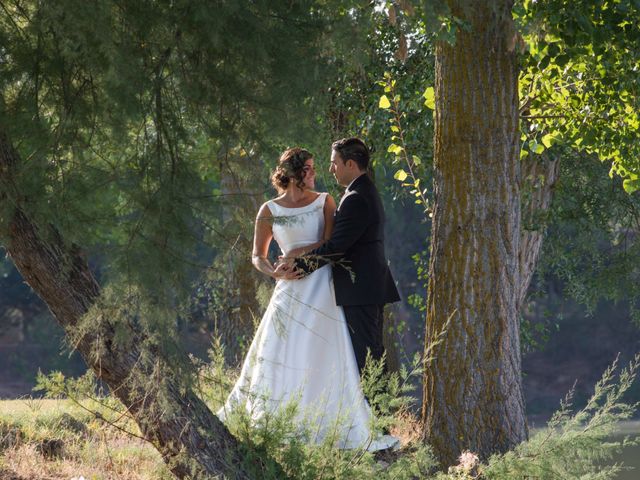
<point x="548" y="140"/>
<point x="630" y="185"/>
<point x="536" y="147"/>
<point x="400" y="175"/>
<point x="416" y="160"/>
<point x="384" y="102"/>
<point x="430" y="98"/>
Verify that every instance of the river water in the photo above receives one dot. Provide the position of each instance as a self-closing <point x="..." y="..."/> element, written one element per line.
<point x="630" y="456"/>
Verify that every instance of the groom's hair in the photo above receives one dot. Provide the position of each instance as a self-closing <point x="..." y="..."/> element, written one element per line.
<point x="352" y="149"/>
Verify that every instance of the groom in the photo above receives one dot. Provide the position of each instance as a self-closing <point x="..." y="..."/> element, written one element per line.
<point x="361" y="278"/>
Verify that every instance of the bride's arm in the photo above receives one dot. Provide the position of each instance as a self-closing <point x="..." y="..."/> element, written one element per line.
<point x="261" y="239"/>
<point x="329" y="219"/>
<point x="262" y="236"/>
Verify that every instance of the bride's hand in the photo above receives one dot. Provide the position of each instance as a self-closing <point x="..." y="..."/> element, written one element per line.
<point x="287" y="271"/>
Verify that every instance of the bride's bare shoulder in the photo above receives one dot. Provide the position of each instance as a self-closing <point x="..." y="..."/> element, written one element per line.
<point x="264" y="211"/>
<point x="329" y="203"/>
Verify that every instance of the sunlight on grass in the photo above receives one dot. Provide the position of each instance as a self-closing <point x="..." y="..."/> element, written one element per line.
<point x="51" y="439"/>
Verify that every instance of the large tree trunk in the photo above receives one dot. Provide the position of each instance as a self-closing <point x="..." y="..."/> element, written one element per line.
<point x="192" y="440"/>
<point x="473" y="396"/>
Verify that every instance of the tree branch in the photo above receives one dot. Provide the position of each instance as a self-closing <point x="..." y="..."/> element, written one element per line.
<point x="191" y="439"/>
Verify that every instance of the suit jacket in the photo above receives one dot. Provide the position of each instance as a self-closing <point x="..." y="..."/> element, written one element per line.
<point x="358" y="242"/>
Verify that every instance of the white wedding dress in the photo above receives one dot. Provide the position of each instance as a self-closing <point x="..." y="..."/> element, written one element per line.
<point x="302" y="351"/>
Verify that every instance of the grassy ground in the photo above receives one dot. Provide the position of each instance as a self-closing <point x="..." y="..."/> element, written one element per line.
<point x="58" y="439"/>
<point x="55" y="439"/>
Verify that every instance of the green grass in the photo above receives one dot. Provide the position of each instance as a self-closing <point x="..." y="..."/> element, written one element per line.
<point x="56" y="439"/>
<point x="52" y="439"/>
<point x="26" y="406"/>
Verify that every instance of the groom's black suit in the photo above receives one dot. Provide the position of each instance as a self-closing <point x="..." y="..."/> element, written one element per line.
<point x="358" y="242"/>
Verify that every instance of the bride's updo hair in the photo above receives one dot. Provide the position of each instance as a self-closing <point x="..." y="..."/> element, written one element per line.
<point x="290" y="168"/>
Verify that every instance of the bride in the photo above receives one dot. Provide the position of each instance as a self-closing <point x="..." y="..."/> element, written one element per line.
<point x="302" y="352"/>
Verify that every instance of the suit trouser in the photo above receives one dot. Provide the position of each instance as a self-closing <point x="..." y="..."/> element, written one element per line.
<point x="365" y="324"/>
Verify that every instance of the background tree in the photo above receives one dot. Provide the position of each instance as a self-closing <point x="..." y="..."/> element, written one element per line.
<point x="106" y="114"/>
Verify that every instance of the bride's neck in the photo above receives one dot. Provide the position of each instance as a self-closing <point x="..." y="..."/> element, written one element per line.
<point x="295" y="194"/>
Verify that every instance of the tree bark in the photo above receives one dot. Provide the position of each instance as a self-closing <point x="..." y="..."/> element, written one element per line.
<point x="238" y="180"/>
<point x="539" y="177"/>
<point x="192" y="440"/>
<point x="473" y="396"/>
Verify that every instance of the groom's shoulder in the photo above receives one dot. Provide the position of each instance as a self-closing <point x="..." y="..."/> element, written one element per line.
<point x="355" y="198"/>
<point x="366" y="187"/>
<point x="352" y="194"/>
<point x="364" y="183"/>
<point x="357" y="202"/>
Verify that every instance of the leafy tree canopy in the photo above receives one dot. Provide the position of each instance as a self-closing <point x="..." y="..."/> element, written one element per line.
<point x="121" y="113"/>
<point x="579" y="83"/>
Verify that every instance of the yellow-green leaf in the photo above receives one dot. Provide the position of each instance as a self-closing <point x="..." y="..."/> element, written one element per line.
<point x="536" y="147"/>
<point x="393" y="148"/>
<point x="400" y="175"/>
<point x="384" y="102"/>
<point x="630" y="185"/>
<point x="429" y="98"/>
<point x="548" y="140"/>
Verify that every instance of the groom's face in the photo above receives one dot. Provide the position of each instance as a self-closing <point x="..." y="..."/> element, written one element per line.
<point x="339" y="169"/>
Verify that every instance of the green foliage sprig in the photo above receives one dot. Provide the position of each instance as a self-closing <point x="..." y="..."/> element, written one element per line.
<point x="399" y="147"/>
<point x="575" y="445"/>
<point x="314" y="262"/>
<point x="85" y="393"/>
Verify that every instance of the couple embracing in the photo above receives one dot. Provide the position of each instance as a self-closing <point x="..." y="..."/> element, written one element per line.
<point x="326" y="310"/>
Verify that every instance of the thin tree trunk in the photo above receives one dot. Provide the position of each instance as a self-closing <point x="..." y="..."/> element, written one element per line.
<point x="192" y="440"/>
<point x="473" y="396"/>
<point x="238" y="182"/>
<point x="539" y="177"/>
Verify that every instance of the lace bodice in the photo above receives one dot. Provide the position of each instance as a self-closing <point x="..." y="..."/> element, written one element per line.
<point x="297" y="227"/>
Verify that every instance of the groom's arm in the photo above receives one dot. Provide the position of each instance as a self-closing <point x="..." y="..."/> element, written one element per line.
<point x="351" y="222"/>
